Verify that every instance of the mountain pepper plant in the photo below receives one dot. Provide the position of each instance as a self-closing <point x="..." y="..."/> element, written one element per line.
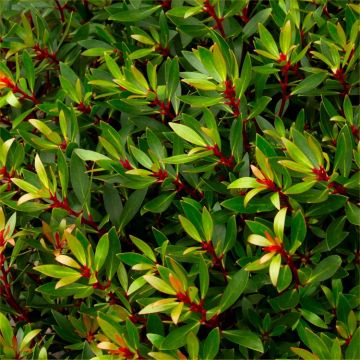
<point x="179" y="179"/>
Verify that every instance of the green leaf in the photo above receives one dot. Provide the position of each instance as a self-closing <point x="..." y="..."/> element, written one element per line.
<point x="285" y="37"/>
<point x="133" y="15"/>
<point x="188" y="134"/>
<point x="89" y="155"/>
<point x="244" y="338"/>
<point x="190" y="229"/>
<point x="183" y="159"/>
<point x="304" y="354"/>
<point x="274" y="269"/>
<point x="76" y="248"/>
<point x="6" y="330"/>
<point x="259" y="106"/>
<point x="101" y="252"/>
<point x="144" y="248"/>
<point x="131" y="207"/>
<point x="234" y="289"/>
<point x="343" y="155"/>
<point x="41" y="172"/>
<point x="159" y="204"/>
<point x="177" y="338"/>
<point x="279" y="223"/>
<point x="310" y="83"/>
<point x="159" y="284"/>
<point x="352" y="213"/>
<point x="203" y="277"/>
<point x="325" y="269"/>
<point x="201" y="101"/>
<point x="207" y="224"/>
<point x="212" y="344"/>
<point x="29" y="70"/>
<point x="300" y="187"/>
<point x="236" y="204"/>
<point x="79" y="179"/>
<point x="296" y="154"/>
<point x="268" y="41"/>
<point x="252" y="26"/>
<point x="56" y="271"/>
<point x="353" y="350"/>
<point x="192" y="344"/>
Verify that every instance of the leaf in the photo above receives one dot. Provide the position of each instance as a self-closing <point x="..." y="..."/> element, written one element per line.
<point x="296" y="154"/>
<point x="304" y="354"/>
<point x="234" y="289"/>
<point x="244" y="183"/>
<point x="41" y="172"/>
<point x="192" y="344"/>
<point x="236" y="204"/>
<point x="352" y="213"/>
<point x="259" y="106"/>
<point x="244" y="338"/>
<point x="29" y="70"/>
<point x="190" y="229"/>
<point x="55" y="271"/>
<point x="101" y="252"/>
<point x="186" y="158"/>
<point x="353" y="350"/>
<point x="6" y="330"/>
<point x="274" y="269"/>
<point x="79" y="179"/>
<point x="141" y="157"/>
<point x="89" y="155"/>
<point x="131" y="207"/>
<point x="207" y="224"/>
<point x="159" y="284"/>
<point x="143" y="247"/>
<point x="177" y="338"/>
<point x="260" y="17"/>
<point x="343" y="155"/>
<point x="285" y="37"/>
<point x="76" y="247"/>
<point x="268" y="41"/>
<point x="310" y="83"/>
<point x="279" y="223"/>
<point x="325" y="269"/>
<point x="259" y="240"/>
<point x="27" y="338"/>
<point x="187" y="134"/>
<point x="133" y="15"/>
<point x="300" y="187"/>
<point x="245" y="76"/>
<point x="200" y="101"/>
<point x="204" y="277"/>
<point x="159" y="204"/>
<point x="212" y="344"/>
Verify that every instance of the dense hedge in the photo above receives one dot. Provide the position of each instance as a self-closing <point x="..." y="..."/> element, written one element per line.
<point x="179" y="179"/>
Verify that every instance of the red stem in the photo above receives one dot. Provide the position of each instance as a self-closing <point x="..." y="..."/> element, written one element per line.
<point x="223" y="160"/>
<point x="284" y="84"/>
<point x="216" y="260"/>
<point x="230" y="95"/>
<point x="65" y="205"/>
<point x="61" y="10"/>
<point x="288" y="258"/>
<point x="181" y="186"/>
<point x="198" y="308"/>
<point x="43" y="53"/>
<point x="341" y="78"/>
<point x="210" y="10"/>
<point x="5" y="290"/>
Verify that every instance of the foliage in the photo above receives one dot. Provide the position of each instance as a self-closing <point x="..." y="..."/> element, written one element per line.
<point x="179" y="179"/>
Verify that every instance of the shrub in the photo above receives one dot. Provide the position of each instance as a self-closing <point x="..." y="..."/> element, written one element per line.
<point x="179" y="179"/>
